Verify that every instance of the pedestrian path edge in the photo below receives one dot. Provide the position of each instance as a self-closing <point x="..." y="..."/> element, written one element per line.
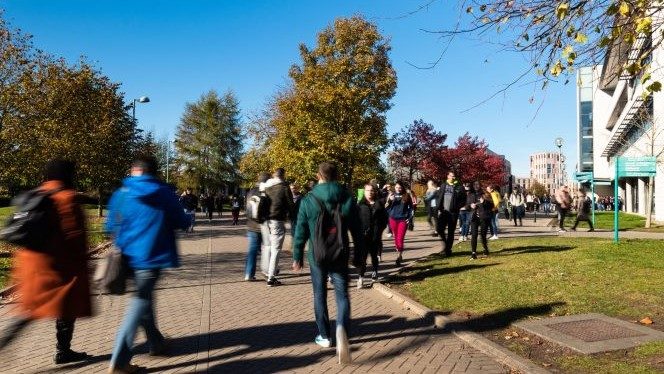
<point x="503" y="355"/>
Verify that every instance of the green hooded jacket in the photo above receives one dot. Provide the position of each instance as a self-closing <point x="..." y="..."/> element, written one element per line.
<point x="330" y="193"/>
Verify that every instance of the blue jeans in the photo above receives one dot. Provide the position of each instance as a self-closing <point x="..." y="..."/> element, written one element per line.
<point x="494" y="223"/>
<point x="465" y="215"/>
<point x="340" y="283"/>
<point x="255" y="241"/>
<point x="139" y="313"/>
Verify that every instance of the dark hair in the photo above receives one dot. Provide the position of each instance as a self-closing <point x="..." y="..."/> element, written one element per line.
<point x="280" y="173"/>
<point x="328" y="171"/>
<point x="263" y="177"/>
<point x="146" y="163"/>
<point x="60" y="170"/>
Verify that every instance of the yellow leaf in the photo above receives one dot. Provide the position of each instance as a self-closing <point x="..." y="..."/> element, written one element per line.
<point x="581" y="38"/>
<point x="624" y="9"/>
<point x="646" y="321"/>
<point x="644" y="25"/>
<point x="562" y="10"/>
<point x="557" y="69"/>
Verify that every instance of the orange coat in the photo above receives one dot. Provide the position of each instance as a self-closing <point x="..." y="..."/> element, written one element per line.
<point x="54" y="283"/>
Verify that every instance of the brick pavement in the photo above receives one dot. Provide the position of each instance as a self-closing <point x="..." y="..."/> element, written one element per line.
<point x="219" y="323"/>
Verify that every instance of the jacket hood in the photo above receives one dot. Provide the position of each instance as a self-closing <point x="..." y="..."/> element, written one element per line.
<point x="273" y="182"/>
<point x="333" y="190"/>
<point x="143" y="185"/>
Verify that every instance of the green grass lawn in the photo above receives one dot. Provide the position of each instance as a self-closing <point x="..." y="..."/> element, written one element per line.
<point x="604" y="221"/>
<point x="526" y="277"/>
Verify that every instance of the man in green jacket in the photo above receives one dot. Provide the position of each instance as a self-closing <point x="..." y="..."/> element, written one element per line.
<point x="331" y="194"/>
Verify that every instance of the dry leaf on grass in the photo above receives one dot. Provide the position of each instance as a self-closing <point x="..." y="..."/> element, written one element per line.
<point x="646" y="321"/>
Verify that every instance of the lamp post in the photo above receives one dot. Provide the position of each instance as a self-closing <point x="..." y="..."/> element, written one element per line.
<point x="559" y="143"/>
<point x="142" y="100"/>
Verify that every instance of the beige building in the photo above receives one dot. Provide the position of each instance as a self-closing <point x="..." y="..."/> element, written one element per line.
<point x="548" y="168"/>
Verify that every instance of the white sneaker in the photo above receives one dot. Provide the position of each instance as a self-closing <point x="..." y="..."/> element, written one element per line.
<point x="360" y="283"/>
<point x="343" y="348"/>
<point x="325" y="343"/>
<point x="389" y="235"/>
<point x="493" y="237"/>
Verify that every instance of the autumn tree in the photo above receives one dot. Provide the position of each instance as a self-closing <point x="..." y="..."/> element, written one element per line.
<point x="209" y="141"/>
<point x="537" y="189"/>
<point x="471" y="161"/>
<point x="335" y="107"/>
<point x="416" y="150"/>
<point x="558" y="36"/>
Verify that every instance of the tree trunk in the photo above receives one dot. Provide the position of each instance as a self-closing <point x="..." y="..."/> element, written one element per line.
<point x="100" y="207"/>
<point x="649" y="202"/>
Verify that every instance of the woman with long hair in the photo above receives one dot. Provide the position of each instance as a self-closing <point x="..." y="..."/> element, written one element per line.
<point x="399" y="207"/>
<point x="480" y="204"/>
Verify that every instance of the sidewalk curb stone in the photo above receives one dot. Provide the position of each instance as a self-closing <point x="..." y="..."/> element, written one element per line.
<point x="501" y="354"/>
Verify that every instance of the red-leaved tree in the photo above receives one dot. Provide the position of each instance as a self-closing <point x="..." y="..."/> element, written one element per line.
<point x="416" y="152"/>
<point x="471" y="161"/>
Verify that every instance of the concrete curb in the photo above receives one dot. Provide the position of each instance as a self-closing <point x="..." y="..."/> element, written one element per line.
<point x="503" y="355"/>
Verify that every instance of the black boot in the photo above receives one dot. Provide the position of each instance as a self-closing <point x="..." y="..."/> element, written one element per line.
<point x="64" y="357"/>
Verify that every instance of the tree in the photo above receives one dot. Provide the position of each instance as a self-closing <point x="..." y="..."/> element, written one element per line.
<point x="71" y="112"/>
<point x="538" y="189"/>
<point x="471" y="161"/>
<point x="561" y="35"/>
<point x="209" y="142"/>
<point x="335" y="107"/>
<point x="414" y="150"/>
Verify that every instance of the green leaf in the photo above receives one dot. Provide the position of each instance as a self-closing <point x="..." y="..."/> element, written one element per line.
<point x="646" y="77"/>
<point x="654" y="87"/>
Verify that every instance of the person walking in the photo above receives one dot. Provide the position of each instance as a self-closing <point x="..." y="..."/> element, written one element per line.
<point x="583" y="209"/>
<point x="373" y="218"/>
<point x="53" y="281"/>
<point x="385" y="192"/>
<point x="495" y="198"/>
<point x="142" y="217"/>
<point x="399" y="206"/>
<point x="189" y="203"/>
<point x="564" y="203"/>
<point x="235" y="209"/>
<point x="518" y="204"/>
<point x="430" y="206"/>
<point x="254" y="230"/>
<point x="330" y="194"/>
<point x="465" y="214"/>
<point x="209" y="206"/>
<point x="480" y="204"/>
<point x="281" y="208"/>
<point x="450" y="200"/>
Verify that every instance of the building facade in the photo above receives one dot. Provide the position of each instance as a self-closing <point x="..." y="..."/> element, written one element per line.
<point x="548" y="168"/>
<point x="617" y="119"/>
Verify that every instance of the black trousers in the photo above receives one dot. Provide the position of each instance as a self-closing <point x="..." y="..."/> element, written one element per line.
<point x="481" y="227"/>
<point x="447" y="222"/>
<point x="517" y="213"/>
<point x="562" y="212"/>
<point x="577" y="220"/>
<point x="374" y="249"/>
<point x="64" y="332"/>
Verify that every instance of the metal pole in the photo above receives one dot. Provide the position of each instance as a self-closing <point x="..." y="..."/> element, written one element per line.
<point x="615" y="203"/>
<point x="592" y="196"/>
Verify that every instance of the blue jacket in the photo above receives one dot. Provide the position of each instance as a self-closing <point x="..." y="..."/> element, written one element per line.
<point x="143" y="216"/>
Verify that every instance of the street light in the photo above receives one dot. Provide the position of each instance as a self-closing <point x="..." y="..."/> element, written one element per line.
<point x="559" y="143"/>
<point x="142" y="100"/>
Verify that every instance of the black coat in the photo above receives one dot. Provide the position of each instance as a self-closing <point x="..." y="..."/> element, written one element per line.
<point x="458" y="198"/>
<point x="483" y="208"/>
<point x="373" y="219"/>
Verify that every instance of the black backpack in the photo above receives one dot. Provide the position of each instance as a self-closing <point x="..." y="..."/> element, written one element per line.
<point x="586" y="207"/>
<point x="329" y="241"/>
<point x="30" y="225"/>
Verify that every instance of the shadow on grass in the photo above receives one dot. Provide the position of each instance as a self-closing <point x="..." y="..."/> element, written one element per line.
<point x="423" y="272"/>
<point x="534" y="249"/>
<point x="501" y="318"/>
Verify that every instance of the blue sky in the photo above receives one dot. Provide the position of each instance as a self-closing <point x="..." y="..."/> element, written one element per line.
<point x="174" y="51"/>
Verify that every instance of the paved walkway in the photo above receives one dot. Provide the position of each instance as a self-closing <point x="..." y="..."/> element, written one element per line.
<point x="219" y="323"/>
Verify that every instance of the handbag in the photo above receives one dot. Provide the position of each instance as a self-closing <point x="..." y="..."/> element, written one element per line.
<point x="111" y="273"/>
